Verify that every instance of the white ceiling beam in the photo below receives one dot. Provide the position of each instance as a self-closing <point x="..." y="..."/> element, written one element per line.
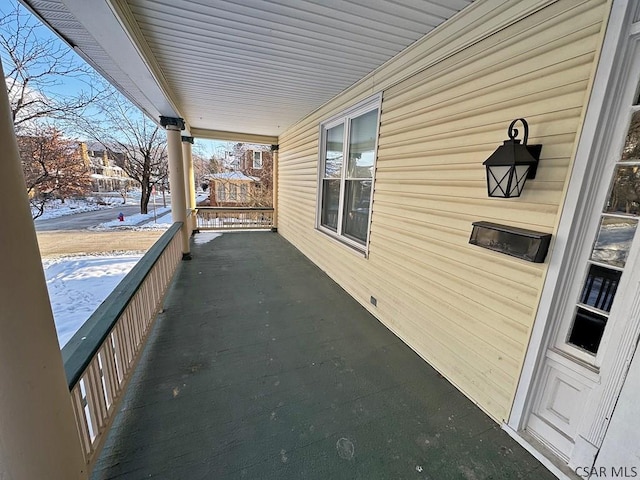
<point x="233" y="136"/>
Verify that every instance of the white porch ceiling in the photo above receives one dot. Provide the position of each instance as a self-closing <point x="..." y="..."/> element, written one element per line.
<point x="239" y="66"/>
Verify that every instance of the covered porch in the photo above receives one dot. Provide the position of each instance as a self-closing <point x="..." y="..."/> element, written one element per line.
<point x="260" y="366"/>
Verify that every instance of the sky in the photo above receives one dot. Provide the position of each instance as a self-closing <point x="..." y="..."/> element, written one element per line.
<point x="77" y="285"/>
<point x="69" y="86"/>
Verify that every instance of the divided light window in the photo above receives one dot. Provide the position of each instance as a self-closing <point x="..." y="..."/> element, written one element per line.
<point x="221" y="194"/>
<point x="257" y="159"/>
<point x="347" y="166"/>
<point x="618" y="225"/>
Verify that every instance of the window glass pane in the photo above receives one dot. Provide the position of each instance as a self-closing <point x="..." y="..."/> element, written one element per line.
<point x="631" y="150"/>
<point x="356" y="209"/>
<point x="498" y="179"/>
<point x="519" y="179"/>
<point x="243" y="193"/>
<point x="600" y="287"/>
<point x="362" y="142"/>
<point x="221" y="192"/>
<point x="257" y="159"/>
<point x="335" y="147"/>
<point x="624" y="196"/>
<point x="330" y="202"/>
<point x="587" y="330"/>
<point x="233" y="192"/>
<point x="614" y="240"/>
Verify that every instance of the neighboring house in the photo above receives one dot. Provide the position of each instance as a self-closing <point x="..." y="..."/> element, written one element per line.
<point x="248" y="185"/>
<point x="380" y="181"/>
<point x="257" y="163"/>
<point x="105" y="175"/>
<point x="231" y="189"/>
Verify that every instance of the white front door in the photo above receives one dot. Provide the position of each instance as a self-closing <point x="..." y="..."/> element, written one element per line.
<point x="596" y="326"/>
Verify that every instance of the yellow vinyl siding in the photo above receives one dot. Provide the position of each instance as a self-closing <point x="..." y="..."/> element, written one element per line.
<point x="447" y="102"/>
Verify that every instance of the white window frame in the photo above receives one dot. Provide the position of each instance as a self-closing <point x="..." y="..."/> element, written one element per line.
<point x="221" y="192"/>
<point x="345" y="117"/>
<point x="257" y="166"/>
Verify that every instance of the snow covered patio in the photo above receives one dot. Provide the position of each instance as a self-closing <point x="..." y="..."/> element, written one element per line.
<point x="261" y="367"/>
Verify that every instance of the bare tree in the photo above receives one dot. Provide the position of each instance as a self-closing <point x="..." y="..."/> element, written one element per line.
<point x="52" y="168"/>
<point x="204" y="164"/>
<point x="261" y="195"/>
<point x="241" y="180"/>
<point x="134" y="142"/>
<point x="36" y="64"/>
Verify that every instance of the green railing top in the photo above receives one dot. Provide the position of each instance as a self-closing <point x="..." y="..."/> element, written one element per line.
<point x="86" y="342"/>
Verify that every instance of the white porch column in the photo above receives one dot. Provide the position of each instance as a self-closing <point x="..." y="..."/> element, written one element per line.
<point x="274" y="184"/>
<point x="176" y="179"/>
<point x="190" y="186"/>
<point x="38" y="434"/>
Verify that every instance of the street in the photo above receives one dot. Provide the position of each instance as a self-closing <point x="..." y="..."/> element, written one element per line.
<point x="84" y="220"/>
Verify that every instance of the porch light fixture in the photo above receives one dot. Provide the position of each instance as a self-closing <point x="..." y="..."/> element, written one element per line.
<point x="509" y="167"/>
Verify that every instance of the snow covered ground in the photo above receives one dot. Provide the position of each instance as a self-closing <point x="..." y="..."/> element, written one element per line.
<point x="161" y="220"/>
<point x="78" y="285"/>
<point x="57" y="209"/>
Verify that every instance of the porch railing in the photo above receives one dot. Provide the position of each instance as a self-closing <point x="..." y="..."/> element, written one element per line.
<point x="101" y="356"/>
<point x="234" y="218"/>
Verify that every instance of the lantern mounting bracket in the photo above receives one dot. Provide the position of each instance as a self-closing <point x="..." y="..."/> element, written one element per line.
<point x="534" y="150"/>
<point x="512" y="163"/>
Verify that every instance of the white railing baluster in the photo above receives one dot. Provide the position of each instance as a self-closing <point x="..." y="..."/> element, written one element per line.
<point x="234" y="218"/>
<point x="81" y="419"/>
<point x="96" y="384"/>
<point x="109" y="376"/>
<point x="118" y="337"/>
<point x="95" y="397"/>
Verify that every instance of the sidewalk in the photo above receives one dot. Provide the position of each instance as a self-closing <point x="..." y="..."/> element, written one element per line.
<point x="74" y="242"/>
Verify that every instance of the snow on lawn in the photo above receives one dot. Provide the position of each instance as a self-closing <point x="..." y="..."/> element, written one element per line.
<point x="56" y="209"/>
<point x="78" y="285"/>
<point x="97" y="201"/>
<point x="163" y="221"/>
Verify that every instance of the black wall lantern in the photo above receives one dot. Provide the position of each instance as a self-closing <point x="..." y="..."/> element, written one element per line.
<point x="511" y="164"/>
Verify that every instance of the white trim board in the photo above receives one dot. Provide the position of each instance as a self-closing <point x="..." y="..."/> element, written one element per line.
<point x="609" y="93"/>
<point x="561" y="471"/>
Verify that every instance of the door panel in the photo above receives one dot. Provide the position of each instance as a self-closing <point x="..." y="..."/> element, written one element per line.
<point x="560" y="407"/>
<point x="596" y="330"/>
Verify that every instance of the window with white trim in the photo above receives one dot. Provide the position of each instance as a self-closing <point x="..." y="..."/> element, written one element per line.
<point x="257" y="159"/>
<point x="221" y="194"/>
<point x="348" y="151"/>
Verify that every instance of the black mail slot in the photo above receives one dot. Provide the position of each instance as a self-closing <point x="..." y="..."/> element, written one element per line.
<point x="517" y="242"/>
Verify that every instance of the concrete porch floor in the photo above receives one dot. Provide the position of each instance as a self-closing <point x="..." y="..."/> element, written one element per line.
<point x="261" y="367"/>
